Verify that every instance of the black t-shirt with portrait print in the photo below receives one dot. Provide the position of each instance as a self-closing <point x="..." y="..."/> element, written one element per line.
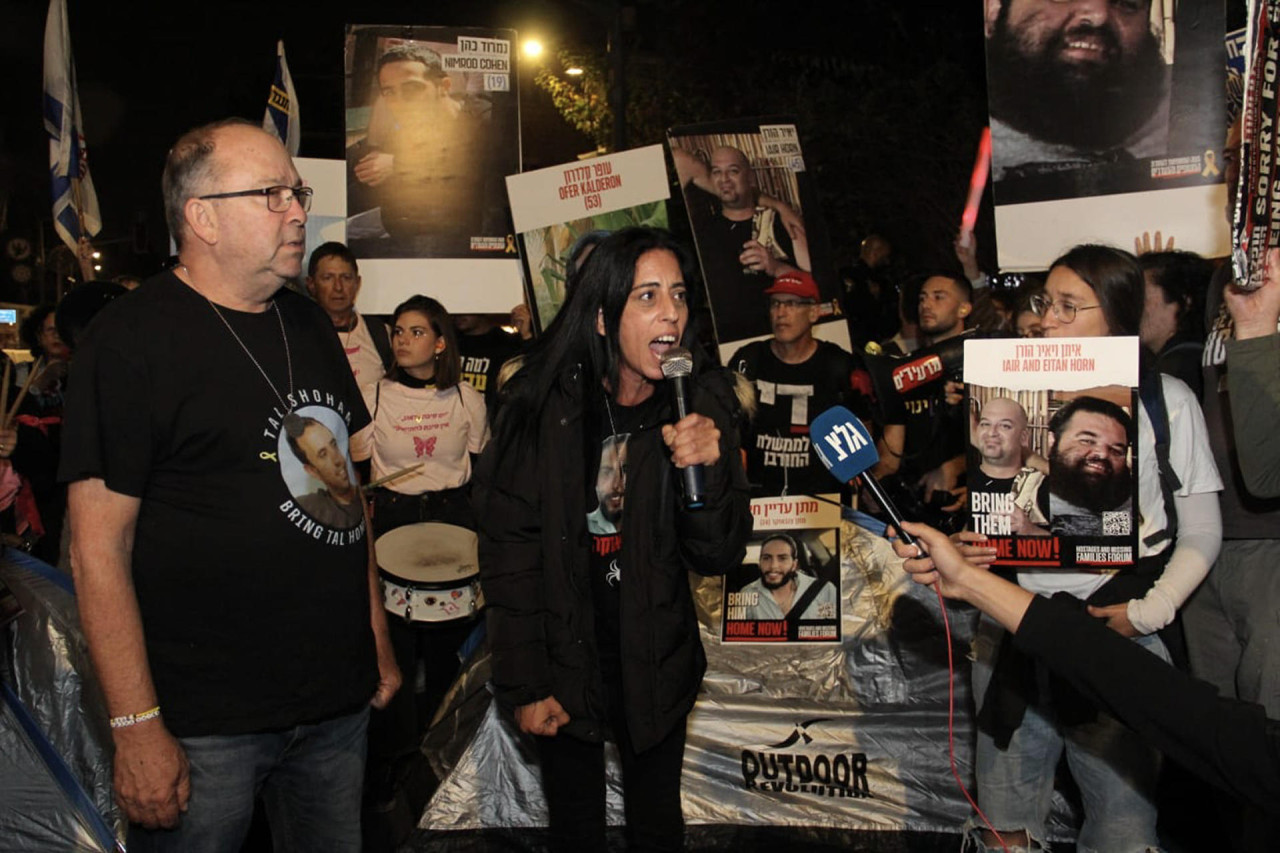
<point x="256" y="615"/>
<point x="610" y="426"/>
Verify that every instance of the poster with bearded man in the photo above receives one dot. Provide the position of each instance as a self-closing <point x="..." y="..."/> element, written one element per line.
<point x="1108" y="119"/>
<point x="1053" y="473"/>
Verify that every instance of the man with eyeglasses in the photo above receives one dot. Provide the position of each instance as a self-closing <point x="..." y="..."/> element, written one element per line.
<point x="239" y="640"/>
<point x="796" y="377"/>
<point x="1074" y="81"/>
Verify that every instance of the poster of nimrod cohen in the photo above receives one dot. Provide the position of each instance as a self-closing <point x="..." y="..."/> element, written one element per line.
<point x="754" y="214"/>
<point x="1107" y="119"/>
<point x="432" y="131"/>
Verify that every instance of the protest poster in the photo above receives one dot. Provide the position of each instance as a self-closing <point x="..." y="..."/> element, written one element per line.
<point x="1104" y="125"/>
<point x="787" y="590"/>
<point x="754" y="212"/>
<point x="432" y="130"/>
<point x="1255" y="225"/>
<point x="553" y="207"/>
<point x="1053" y="472"/>
<point x="327" y="218"/>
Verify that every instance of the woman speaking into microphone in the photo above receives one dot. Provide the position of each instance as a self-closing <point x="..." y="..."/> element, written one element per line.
<point x="586" y="545"/>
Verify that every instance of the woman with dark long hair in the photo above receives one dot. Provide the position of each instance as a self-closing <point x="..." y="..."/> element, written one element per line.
<point x="586" y="543"/>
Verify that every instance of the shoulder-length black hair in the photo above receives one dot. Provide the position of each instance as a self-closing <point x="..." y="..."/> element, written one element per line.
<point x="598" y="288"/>
<point x="448" y="362"/>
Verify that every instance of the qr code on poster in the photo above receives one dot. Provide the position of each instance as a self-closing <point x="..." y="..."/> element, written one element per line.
<point x="1116" y="523"/>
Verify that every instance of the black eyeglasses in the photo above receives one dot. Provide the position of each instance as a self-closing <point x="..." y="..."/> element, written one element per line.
<point x="278" y="198"/>
<point x="1064" y="311"/>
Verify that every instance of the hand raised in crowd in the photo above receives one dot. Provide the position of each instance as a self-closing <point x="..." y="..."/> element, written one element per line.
<point x="522" y="319"/>
<point x="1144" y="244"/>
<point x="1257" y="312"/>
<point x="544" y="717"/>
<point x="756" y="257"/>
<point x="375" y="167"/>
<point x="151" y="780"/>
<point x="967" y="254"/>
<point x="694" y="440"/>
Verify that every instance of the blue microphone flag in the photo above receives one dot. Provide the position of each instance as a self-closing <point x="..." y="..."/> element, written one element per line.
<point x="842" y="443"/>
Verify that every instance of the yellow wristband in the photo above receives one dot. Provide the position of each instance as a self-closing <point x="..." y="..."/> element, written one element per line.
<point x="133" y="719"/>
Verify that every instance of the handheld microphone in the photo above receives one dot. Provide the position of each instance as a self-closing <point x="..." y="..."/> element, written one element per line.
<point x="847" y="451"/>
<point x="677" y="365"/>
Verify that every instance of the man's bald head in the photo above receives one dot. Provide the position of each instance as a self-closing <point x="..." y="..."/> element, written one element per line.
<point x="1002" y="432"/>
<point x="191" y="166"/>
<point x="733" y="178"/>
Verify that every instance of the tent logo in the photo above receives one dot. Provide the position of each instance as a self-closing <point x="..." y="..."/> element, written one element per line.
<point x="800" y="733"/>
<point x="822" y="773"/>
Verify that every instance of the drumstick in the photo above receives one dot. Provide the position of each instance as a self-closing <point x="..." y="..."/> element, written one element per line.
<point x="394" y="475"/>
<point x="26" y="386"/>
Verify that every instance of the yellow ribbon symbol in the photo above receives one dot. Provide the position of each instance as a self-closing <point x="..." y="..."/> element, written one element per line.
<point x="511" y="244"/>
<point x="1210" y="164"/>
<point x="268" y="457"/>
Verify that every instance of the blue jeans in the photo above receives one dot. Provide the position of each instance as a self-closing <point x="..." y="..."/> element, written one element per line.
<point x="1115" y="771"/>
<point x="310" y="778"/>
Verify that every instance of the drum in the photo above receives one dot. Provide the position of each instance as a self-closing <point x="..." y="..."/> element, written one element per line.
<point x="430" y="572"/>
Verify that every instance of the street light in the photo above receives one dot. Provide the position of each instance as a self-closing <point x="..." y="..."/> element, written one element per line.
<point x="532" y="48"/>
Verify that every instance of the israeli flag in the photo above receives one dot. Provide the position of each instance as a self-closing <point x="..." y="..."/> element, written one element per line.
<point x="281" y="119"/>
<point x="75" y="203"/>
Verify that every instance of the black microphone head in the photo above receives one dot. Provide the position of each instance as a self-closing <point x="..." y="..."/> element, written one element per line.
<point x="677" y="362"/>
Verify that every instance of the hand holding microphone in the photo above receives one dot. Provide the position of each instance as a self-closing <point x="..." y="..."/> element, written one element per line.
<point x="847" y="451"/>
<point x="694" y="439"/>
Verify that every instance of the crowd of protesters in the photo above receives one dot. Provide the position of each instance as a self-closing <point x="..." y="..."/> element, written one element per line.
<point x="147" y="464"/>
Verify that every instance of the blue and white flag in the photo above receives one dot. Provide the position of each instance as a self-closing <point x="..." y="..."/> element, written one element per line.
<point x="75" y="204"/>
<point x="281" y="119"/>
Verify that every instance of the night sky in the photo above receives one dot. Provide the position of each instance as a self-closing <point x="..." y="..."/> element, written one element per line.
<point x="149" y="71"/>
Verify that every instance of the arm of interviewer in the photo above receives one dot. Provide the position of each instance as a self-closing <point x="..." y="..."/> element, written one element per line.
<point x="150" y="770"/>
<point x="937" y="561"/>
<point x="1230" y="743"/>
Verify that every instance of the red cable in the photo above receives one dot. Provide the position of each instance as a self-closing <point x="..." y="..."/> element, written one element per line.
<point x="951" y="718"/>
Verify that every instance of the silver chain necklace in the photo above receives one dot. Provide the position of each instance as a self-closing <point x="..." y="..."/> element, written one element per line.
<point x="288" y="358"/>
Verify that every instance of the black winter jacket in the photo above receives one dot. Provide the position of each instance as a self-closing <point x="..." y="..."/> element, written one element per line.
<point x="534" y="564"/>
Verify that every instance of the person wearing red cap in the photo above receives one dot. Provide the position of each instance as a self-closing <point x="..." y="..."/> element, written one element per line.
<point x="796" y="377"/>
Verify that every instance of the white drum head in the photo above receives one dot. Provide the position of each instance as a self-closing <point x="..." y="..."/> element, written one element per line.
<point x="428" y="553"/>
